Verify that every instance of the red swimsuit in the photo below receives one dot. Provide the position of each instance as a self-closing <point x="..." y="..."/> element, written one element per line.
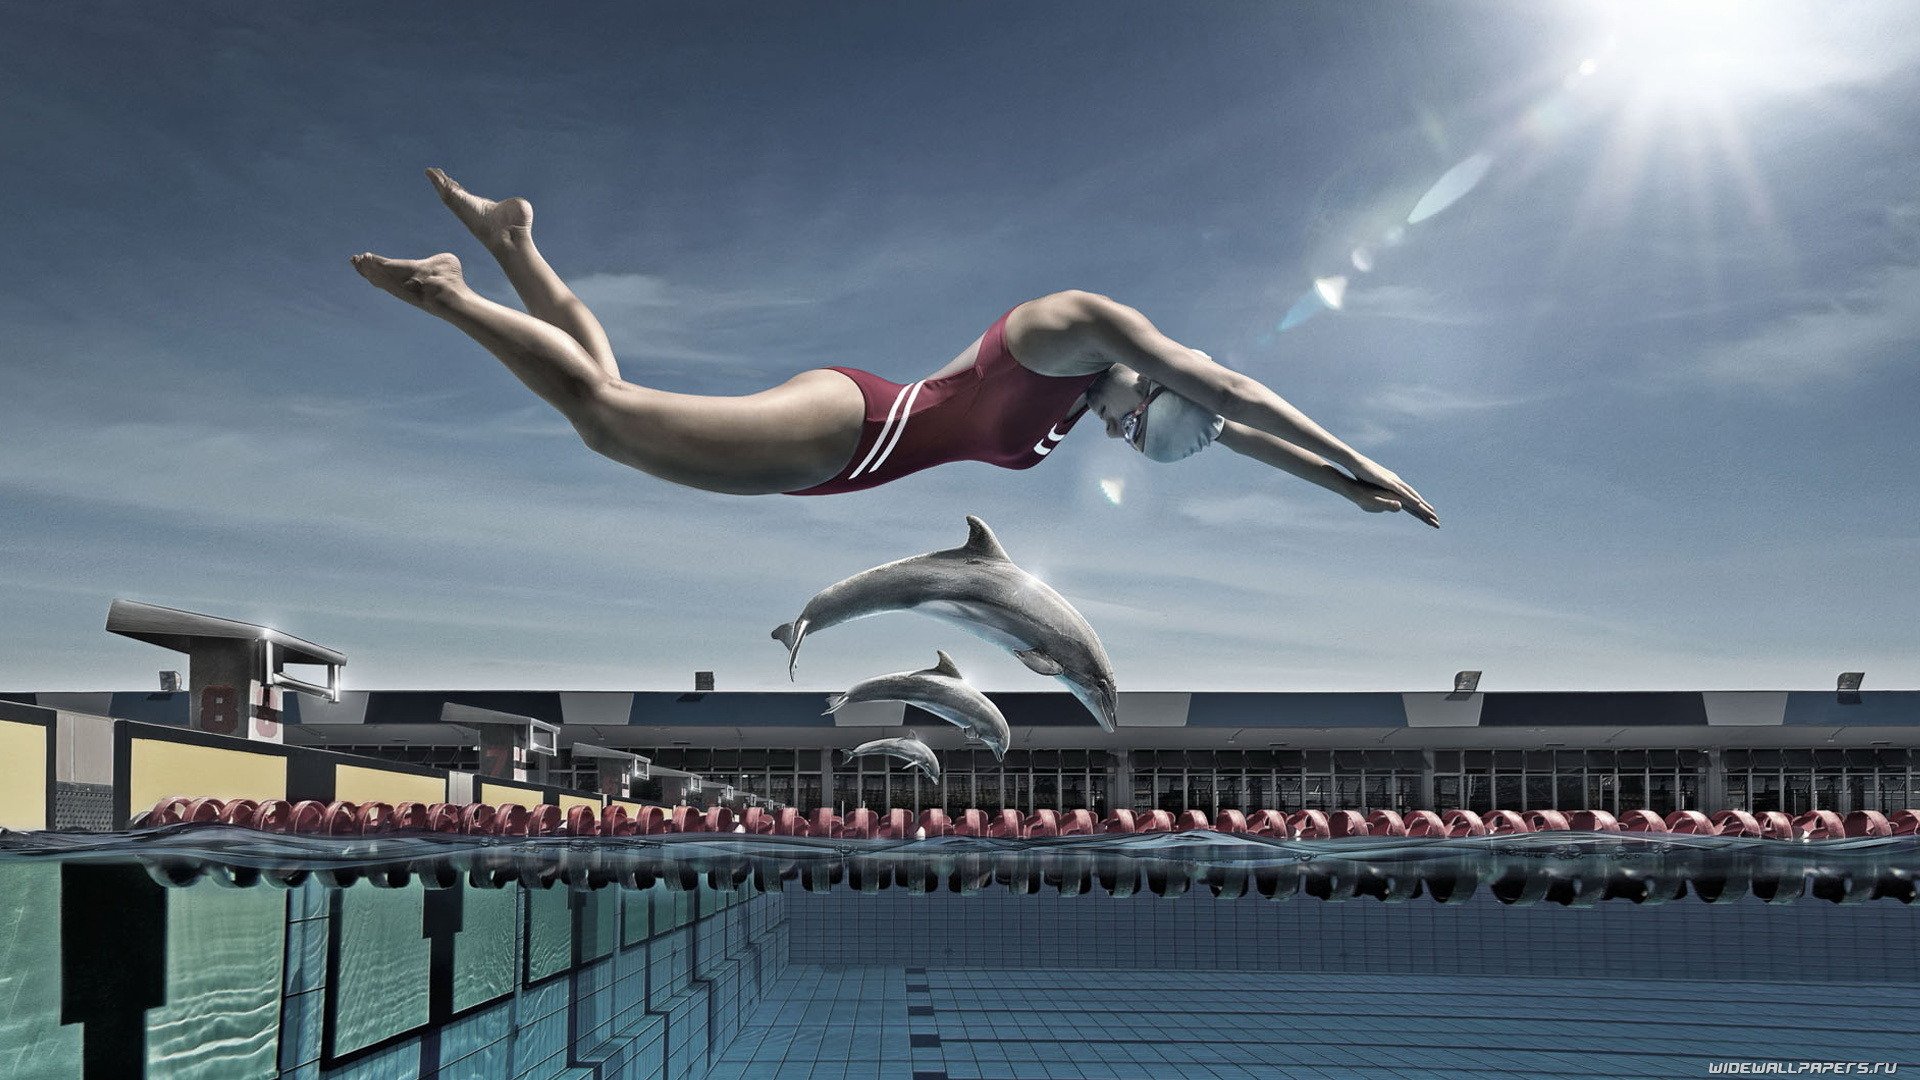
<point x="995" y="411"/>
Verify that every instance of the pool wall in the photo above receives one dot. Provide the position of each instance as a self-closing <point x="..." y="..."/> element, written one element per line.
<point x="108" y="974"/>
<point x="1741" y="940"/>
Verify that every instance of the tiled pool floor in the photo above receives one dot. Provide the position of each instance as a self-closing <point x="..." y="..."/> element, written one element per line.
<point x="879" y="1023"/>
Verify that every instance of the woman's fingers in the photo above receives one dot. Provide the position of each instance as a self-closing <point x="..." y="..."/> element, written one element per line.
<point x="1396" y="494"/>
<point x="1418" y="506"/>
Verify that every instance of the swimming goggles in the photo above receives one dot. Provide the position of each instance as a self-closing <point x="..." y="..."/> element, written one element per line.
<point x="1133" y="426"/>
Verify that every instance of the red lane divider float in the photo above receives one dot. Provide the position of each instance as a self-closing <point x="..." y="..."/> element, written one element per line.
<point x="341" y="818"/>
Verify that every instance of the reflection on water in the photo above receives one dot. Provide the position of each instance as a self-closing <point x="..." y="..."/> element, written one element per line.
<point x="1565" y="868"/>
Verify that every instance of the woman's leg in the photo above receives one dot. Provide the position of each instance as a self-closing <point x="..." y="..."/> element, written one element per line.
<point x="550" y="361"/>
<point x="791" y="437"/>
<point x="505" y="229"/>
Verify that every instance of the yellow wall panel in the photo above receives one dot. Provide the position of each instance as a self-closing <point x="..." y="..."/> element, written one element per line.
<point x="23" y="775"/>
<point x="360" y="784"/>
<point x="495" y="792"/>
<point x="158" y="769"/>
<point x="568" y="802"/>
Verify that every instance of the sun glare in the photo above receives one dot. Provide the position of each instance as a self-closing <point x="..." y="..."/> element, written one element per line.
<point x="1691" y="51"/>
<point x="1685" y="75"/>
<point x="1663" y="92"/>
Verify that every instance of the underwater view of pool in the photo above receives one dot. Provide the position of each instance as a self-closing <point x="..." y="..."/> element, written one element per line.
<point x="213" y="952"/>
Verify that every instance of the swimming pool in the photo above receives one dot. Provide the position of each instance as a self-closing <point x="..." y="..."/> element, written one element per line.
<point x="194" y="951"/>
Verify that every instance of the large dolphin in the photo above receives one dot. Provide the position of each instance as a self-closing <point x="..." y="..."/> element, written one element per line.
<point x="907" y="748"/>
<point x="978" y="588"/>
<point x="942" y="691"/>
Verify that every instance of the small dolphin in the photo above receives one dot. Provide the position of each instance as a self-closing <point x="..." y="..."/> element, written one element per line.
<point x="907" y="748"/>
<point x="942" y="691"/>
<point x="977" y="587"/>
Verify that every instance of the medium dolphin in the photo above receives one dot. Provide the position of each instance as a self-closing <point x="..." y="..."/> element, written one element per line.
<point x="907" y="748"/>
<point x="978" y="588"/>
<point x="942" y="691"/>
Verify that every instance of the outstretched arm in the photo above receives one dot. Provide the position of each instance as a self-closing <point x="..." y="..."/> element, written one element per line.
<point x="1290" y="459"/>
<point x="1127" y="337"/>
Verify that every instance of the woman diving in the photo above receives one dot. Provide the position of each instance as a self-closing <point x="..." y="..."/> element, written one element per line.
<point x="1007" y="399"/>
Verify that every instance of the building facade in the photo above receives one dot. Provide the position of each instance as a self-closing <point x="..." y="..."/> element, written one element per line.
<point x="1755" y="750"/>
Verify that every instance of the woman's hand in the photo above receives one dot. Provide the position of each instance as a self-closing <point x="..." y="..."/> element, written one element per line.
<point x="1374" y="483"/>
<point x="1372" y="498"/>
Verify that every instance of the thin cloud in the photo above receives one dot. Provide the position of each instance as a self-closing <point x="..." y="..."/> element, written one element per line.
<point x="1428" y="401"/>
<point x="648" y="317"/>
<point x="1415" y="304"/>
<point x="1873" y="324"/>
<point x="1328" y="513"/>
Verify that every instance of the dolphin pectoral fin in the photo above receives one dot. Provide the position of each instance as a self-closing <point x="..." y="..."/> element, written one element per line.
<point x="1038" y="662"/>
<point x="834" y="703"/>
<point x="981" y="543"/>
<point x="946" y="666"/>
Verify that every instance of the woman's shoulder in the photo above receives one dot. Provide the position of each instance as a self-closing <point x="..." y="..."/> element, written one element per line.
<point x="1048" y="335"/>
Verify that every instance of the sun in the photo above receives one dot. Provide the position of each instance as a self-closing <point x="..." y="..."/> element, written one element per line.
<point x="1684" y="54"/>
<point x="1674" y="87"/>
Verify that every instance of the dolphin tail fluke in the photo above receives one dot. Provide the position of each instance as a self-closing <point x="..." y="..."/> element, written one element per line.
<point x="834" y="703"/>
<point x="1109" y="713"/>
<point x="791" y="635"/>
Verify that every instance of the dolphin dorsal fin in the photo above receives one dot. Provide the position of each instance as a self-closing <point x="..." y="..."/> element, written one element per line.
<point x="981" y="543"/>
<point x="946" y="666"/>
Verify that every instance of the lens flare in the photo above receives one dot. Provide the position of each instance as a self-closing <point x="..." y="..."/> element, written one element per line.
<point x="1112" y="488"/>
<point x="1332" y="290"/>
<point x="1452" y="186"/>
<point x="1546" y="120"/>
<point x="1303" y="309"/>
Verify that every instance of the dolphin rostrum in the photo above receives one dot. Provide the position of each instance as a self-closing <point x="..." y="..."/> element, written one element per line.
<point x="907" y="748"/>
<point x="942" y="691"/>
<point x="978" y="588"/>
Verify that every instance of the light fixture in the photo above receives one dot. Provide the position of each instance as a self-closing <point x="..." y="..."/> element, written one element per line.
<point x="1847" y="689"/>
<point x="1464" y="685"/>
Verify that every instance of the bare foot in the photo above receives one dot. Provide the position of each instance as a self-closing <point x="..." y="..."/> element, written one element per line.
<point x="425" y="283"/>
<point x="495" y="224"/>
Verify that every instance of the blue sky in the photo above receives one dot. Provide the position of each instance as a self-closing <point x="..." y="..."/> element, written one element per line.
<point x="1655" y="369"/>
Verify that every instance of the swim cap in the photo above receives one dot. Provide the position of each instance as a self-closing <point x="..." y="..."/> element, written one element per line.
<point x="1168" y="427"/>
